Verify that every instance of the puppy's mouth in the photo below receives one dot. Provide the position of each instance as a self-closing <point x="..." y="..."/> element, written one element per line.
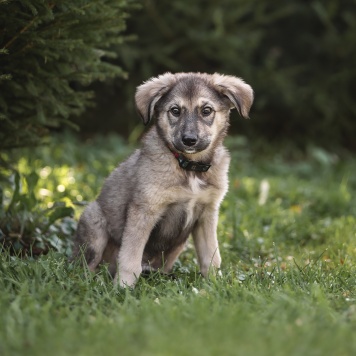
<point x="187" y="150"/>
<point x="190" y="151"/>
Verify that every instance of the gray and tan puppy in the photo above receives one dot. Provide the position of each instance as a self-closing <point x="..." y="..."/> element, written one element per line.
<point x="173" y="185"/>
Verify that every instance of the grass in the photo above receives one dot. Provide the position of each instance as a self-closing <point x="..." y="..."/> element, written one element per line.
<point x="288" y="282"/>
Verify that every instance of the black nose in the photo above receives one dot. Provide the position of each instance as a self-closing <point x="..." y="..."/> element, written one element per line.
<point x="189" y="140"/>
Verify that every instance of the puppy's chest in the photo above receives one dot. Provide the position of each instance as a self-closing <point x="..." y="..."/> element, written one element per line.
<point x="198" y="193"/>
<point x="183" y="210"/>
<point x="185" y="202"/>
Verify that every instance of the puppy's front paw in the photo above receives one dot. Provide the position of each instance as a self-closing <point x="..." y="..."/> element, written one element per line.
<point x="210" y="272"/>
<point x="127" y="278"/>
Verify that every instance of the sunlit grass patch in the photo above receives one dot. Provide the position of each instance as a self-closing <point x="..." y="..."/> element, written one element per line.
<point x="49" y="186"/>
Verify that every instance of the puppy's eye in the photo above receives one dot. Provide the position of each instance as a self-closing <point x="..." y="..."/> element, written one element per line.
<point x="175" y="111"/>
<point x="206" y="111"/>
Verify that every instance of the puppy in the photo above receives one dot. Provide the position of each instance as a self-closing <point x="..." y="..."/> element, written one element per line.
<point x="173" y="185"/>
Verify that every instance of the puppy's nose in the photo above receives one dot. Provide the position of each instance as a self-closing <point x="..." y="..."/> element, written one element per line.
<point x="189" y="140"/>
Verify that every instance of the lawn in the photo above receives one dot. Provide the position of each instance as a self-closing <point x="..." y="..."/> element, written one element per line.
<point x="287" y="284"/>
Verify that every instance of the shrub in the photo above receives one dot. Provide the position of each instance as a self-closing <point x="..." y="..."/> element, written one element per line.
<point x="26" y="226"/>
<point x="49" y="52"/>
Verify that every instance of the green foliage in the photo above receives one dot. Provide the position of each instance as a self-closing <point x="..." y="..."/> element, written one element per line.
<point x="298" y="56"/>
<point x="39" y="194"/>
<point x="288" y="276"/>
<point x="50" y="51"/>
<point x="26" y="226"/>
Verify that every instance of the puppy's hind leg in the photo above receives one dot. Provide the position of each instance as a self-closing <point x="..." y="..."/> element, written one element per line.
<point x="92" y="236"/>
<point x="170" y="258"/>
<point x="110" y="256"/>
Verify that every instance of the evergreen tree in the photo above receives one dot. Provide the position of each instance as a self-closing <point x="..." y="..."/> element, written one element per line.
<point x="50" y="51"/>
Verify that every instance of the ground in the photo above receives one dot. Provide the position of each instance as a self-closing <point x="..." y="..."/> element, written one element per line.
<point x="287" y="284"/>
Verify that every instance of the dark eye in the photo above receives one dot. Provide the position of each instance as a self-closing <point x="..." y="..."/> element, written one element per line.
<point x="206" y="111"/>
<point x="175" y="111"/>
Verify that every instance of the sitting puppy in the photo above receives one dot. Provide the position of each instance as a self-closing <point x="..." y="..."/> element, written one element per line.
<point x="173" y="185"/>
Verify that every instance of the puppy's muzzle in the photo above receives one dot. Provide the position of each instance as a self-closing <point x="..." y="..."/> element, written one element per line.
<point x="189" y="140"/>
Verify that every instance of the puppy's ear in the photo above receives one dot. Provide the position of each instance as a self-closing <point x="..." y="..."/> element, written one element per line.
<point x="148" y="94"/>
<point x="239" y="93"/>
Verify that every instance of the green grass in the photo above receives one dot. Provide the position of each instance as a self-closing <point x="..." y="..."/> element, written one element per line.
<point x="288" y="282"/>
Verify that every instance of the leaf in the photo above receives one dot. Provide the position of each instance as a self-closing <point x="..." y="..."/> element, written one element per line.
<point x="1" y="202"/>
<point x="55" y="241"/>
<point x="16" y="194"/>
<point x="60" y="213"/>
<point x="31" y="181"/>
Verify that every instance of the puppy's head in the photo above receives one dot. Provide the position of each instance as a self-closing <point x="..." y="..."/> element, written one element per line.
<point x="192" y="109"/>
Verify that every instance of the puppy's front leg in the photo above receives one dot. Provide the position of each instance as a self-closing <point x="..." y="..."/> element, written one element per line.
<point x="139" y="224"/>
<point x="206" y="241"/>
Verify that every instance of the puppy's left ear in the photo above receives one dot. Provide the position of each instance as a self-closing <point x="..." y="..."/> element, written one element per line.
<point x="148" y="94"/>
<point x="239" y="93"/>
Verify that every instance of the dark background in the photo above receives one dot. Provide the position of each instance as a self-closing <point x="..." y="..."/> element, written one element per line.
<point x="298" y="56"/>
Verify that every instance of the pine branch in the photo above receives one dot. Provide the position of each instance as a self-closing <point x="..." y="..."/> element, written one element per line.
<point x="53" y="51"/>
<point x="24" y="29"/>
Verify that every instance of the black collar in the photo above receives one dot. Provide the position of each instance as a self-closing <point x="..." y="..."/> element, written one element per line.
<point x="190" y="165"/>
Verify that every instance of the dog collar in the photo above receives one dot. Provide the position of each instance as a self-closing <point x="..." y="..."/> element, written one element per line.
<point x="190" y="165"/>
